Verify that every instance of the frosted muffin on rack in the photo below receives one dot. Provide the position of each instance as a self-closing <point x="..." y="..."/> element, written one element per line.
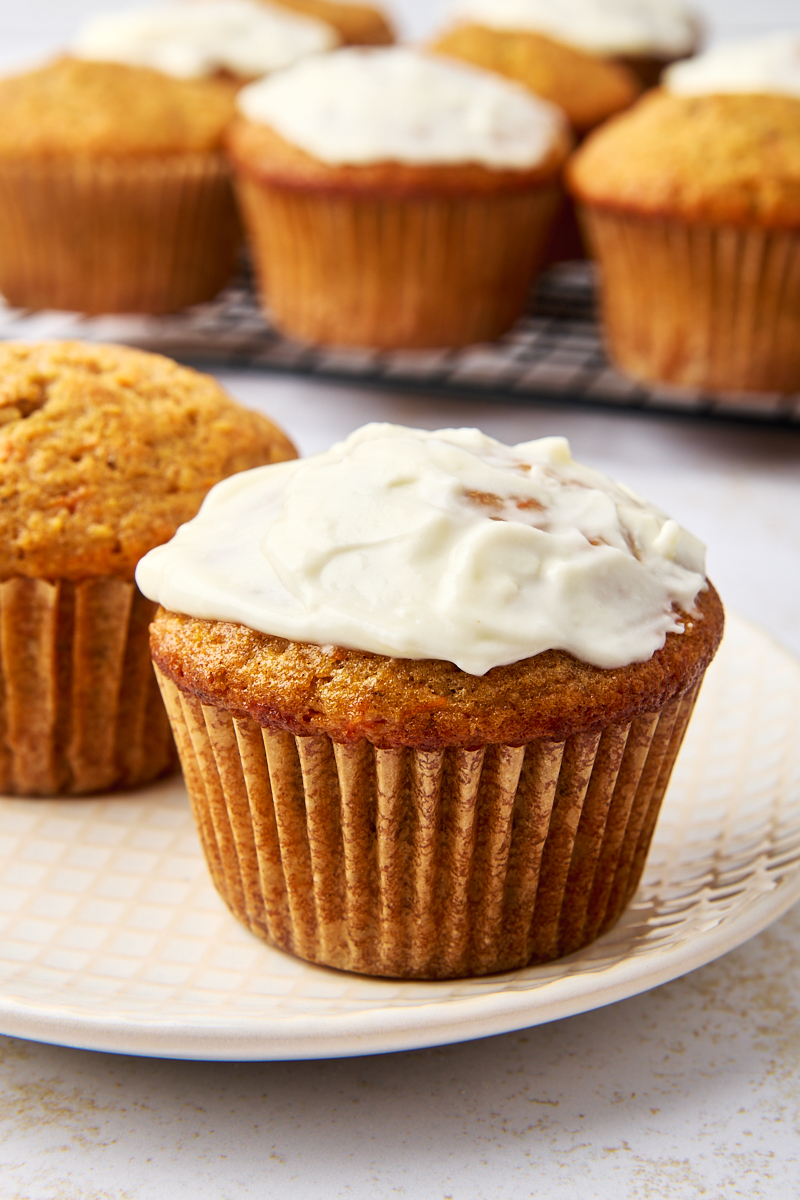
<point x="357" y="24"/>
<point x="394" y="199"/>
<point x="105" y="452"/>
<point x="427" y="690"/>
<point x="115" y="193"/>
<point x="591" y="57"/>
<point x="692" y="204"/>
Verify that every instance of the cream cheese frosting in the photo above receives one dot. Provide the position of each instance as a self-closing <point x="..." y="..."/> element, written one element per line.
<point x="192" y="40"/>
<point x="664" y="28"/>
<point x="445" y="545"/>
<point x="360" y="106"/>
<point x="763" y="65"/>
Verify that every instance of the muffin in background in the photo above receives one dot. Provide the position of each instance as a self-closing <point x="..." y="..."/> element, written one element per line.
<point x="240" y="40"/>
<point x="115" y="193"/>
<point x="427" y="692"/>
<point x="394" y="199"/>
<point x="692" y="204"/>
<point x="527" y="39"/>
<point x="356" y="24"/>
<point x="105" y="452"/>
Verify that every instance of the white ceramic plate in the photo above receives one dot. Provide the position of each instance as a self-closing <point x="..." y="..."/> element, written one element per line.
<point x="112" y="937"/>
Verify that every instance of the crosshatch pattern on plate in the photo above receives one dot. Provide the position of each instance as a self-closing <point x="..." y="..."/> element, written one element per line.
<point x="106" y="907"/>
<point x="555" y="352"/>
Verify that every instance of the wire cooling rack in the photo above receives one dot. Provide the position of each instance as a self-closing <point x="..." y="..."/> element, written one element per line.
<point x="554" y="353"/>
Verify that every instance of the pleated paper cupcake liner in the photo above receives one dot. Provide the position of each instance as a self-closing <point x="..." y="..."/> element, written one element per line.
<point x="80" y="709"/>
<point x="716" y="308"/>
<point x="115" y="235"/>
<point x="425" y="864"/>
<point x="395" y="272"/>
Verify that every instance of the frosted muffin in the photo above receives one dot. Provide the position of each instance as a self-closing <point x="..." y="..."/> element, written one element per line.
<point x="427" y="691"/>
<point x="528" y="39"/>
<point x="692" y="205"/>
<point x="105" y="452"/>
<point x="393" y="199"/>
<point x="115" y="193"/>
<point x="238" y="39"/>
<point x="356" y="24"/>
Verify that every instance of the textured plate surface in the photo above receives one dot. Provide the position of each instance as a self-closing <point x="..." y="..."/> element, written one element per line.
<point x="112" y="937"/>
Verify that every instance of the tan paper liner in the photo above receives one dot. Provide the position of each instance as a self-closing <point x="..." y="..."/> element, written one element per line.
<point x="715" y="308"/>
<point x="80" y="709"/>
<point x="391" y="273"/>
<point x="109" y="235"/>
<point x="425" y="864"/>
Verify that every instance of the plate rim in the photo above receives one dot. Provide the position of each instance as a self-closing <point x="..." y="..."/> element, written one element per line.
<point x="391" y="1028"/>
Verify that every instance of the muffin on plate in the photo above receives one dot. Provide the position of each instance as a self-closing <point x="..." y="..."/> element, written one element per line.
<point x="105" y="452"/>
<point x="394" y="199"/>
<point x="427" y="691"/>
<point x="356" y="24"/>
<point x="692" y="205"/>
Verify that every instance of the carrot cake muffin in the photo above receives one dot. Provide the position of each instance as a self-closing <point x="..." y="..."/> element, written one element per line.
<point x="427" y="690"/>
<point x="105" y="452"/>
<point x="692" y="204"/>
<point x="115" y="193"/>
<point x="357" y="24"/>
<point x="394" y="199"/>
<point x="643" y="35"/>
<point x="242" y="39"/>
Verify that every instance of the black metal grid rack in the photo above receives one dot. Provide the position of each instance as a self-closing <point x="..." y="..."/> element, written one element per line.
<point x="554" y="352"/>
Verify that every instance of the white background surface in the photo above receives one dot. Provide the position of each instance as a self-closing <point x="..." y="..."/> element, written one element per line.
<point x="689" y="1091"/>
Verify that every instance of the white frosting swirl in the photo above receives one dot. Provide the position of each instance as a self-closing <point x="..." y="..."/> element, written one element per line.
<point x="769" y="64"/>
<point x="664" y="28"/>
<point x="444" y="545"/>
<point x="360" y="106"/>
<point x="192" y="40"/>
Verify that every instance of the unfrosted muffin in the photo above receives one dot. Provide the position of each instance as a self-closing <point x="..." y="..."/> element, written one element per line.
<point x="105" y="452"/>
<point x="642" y="35"/>
<point x="692" y="204"/>
<point x="356" y="24"/>
<point x="394" y="199"/>
<point x="427" y="691"/>
<point x="115" y="194"/>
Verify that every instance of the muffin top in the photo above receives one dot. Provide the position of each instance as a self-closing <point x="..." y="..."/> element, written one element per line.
<point x="442" y="545"/>
<point x="663" y="28"/>
<point x="99" y="109"/>
<point x="718" y="158"/>
<point x="194" y="41"/>
<point x="357" y="24"/>
<point x="364" y="108"/>
<point x="105" y="451"/>
<point x="768" y="65"/>
<point x="432" y="589"/>
<point x="587" y="87"/>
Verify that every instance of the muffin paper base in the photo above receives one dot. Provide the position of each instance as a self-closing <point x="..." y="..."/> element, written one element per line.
<point x="706" y="307"/>
<point x="402" y="272"/>
<point x="108" y="235"/>
<point x="425" y="864"/>
<point x="79" y="705"/>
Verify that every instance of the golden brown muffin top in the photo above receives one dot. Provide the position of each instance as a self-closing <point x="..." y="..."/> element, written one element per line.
<point x="349" y="694"/>
<point x="95" y="109"/>
<point x="587" y="87"/>
<point x="105" y="451"/>
<point x="259" y="150"/>
<point x="728" y="158"/>
<point x="357" y="24"/>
